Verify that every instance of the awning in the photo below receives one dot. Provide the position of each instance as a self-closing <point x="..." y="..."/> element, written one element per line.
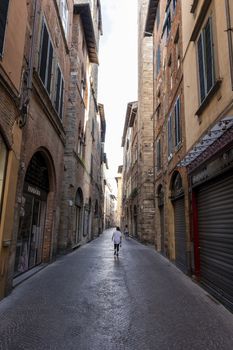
<point x="214" y="134"/>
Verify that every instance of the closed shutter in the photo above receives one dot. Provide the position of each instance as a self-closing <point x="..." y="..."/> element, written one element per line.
<point x="215" y="222"/>
<point x="201" y="68"/>
<point x="209" y="56"/>
<point x="180" y="232"/>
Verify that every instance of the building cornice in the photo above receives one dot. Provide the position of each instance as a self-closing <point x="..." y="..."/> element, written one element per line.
<point x="150" y="19"/>
<point x="85" y="13"/>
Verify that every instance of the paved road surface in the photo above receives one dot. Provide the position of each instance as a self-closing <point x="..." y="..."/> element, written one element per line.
<point x="89" y="300"/>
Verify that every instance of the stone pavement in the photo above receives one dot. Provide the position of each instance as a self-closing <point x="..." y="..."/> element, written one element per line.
<point x="89" y="300"/>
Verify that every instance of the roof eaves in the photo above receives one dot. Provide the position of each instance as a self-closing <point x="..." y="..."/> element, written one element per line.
<point x="150" y="19"/>
<point x="85" y="12"/>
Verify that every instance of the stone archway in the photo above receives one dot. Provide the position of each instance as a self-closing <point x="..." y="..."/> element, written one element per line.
<point x="35" y="231"/>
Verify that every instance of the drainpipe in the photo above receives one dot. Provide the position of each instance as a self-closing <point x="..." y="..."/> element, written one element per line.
<point x="229" y="31"/>
<point x="26" y="91"/>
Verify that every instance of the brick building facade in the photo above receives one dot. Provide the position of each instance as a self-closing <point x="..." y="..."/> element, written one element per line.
<point x="51" y="125"/>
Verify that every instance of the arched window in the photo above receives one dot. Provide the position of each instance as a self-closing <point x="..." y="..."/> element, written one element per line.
<point x="79" y="198"/>
<point x="177" y="187"/>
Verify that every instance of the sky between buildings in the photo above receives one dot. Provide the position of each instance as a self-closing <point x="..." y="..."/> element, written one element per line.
<point x="117" y="73"/>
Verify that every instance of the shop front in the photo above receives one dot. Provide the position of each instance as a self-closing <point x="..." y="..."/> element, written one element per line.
<point x="29" y="246"/>
<point x="210" y="167"/>
<point x="213" y="211"/>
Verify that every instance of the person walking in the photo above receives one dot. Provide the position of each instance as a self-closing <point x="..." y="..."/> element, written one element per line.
<point x="116" y="238"/>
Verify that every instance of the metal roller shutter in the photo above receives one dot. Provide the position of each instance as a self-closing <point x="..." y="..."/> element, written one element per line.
<point x="215" y="223"/>
<point x="180" y="234"/>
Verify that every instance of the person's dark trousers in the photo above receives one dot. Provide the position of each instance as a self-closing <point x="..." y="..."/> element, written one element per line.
<point x="116" y="249"/>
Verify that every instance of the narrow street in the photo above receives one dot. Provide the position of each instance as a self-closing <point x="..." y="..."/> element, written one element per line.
<point x="89" y="300"/>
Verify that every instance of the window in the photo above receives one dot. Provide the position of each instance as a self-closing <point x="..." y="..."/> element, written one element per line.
<point x="46" y="58"/>
<point x="158" y="60"/>
<point x="174" y="4"/>
<point x="3" y="157"/>
<point x="169" y="136"/>
<point x="3" y="17"/>
<point x="158" y="15"/>
<point x="206" y="60"/>
<point x="167" y="23"/>
<point x="59" y="92"/>
<point x="177" y="47"/>
<point x="64" y="13"/>
<point x="158" y="152"/>
<point x="177" y="122"/>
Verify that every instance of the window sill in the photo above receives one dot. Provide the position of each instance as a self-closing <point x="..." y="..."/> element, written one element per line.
<point x="208" y="97"/>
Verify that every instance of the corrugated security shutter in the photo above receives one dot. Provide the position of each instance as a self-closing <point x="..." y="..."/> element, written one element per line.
<point x="215" y="222"/>
<point x="180" y="234"/>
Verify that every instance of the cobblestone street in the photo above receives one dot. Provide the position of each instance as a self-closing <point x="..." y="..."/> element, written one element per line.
<point x="89" y="300"/>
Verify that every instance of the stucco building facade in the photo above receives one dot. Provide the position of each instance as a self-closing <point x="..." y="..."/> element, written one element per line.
<point x="208" y="94"/>
<point x="192" y="115"/>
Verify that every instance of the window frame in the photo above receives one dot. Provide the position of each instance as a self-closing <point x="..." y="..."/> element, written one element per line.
<point x="203" y="88"/>
<point x="169" y="137"/>
<point x="64" y="19"/>
<point x="49" y="46"/>
<point x="159" y="154"/>
<point x="2" y="44"/>
<point x="177" y="124"/>
<point x="61" y="92"/>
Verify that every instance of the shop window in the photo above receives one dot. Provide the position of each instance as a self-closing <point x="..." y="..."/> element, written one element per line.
<point x="3" y="18"/>
<point x="59" y="92"/>
<point x="206" y="60"/>
<point x="46" y="58"/>
<point x="3" y="157"/>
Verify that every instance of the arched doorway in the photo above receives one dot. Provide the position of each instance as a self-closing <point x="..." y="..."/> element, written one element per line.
<point x="177" y="196"/>
<point x="30" y="239"/>
<point x="78" y="215"/>
<point x="161" y="219"/>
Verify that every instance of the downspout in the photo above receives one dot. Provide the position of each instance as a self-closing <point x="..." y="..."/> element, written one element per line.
<point x="26" y="91"/>
<point x="229" y="31"/>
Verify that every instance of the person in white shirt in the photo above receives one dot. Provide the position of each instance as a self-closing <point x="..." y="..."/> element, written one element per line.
<point x="116" y="238"/>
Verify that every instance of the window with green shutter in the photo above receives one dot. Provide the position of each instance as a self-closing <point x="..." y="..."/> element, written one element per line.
<point x="206" y="60"/>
